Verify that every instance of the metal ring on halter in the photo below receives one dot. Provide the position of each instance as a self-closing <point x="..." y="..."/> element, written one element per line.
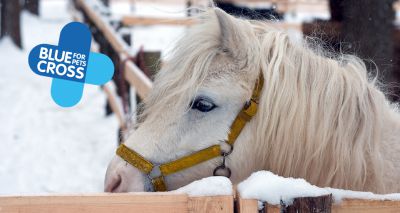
<point x="226" y="170"/>
<point x="222" y="168"/>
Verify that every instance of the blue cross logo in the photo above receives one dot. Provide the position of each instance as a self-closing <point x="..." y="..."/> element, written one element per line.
<point x="71" y="64"/>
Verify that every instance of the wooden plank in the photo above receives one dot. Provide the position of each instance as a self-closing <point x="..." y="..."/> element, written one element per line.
<point x="286" y="6"/>
<point x="272" y="208"/>
<point x="309" y="204"/>
<point x="247" y="205"/>
<point x="148" y="21"/>
<point x="116" y="203"/>
<point x="211" y="204"/>
<point x="102" y="203"/>
<point x="346" y="206"/>
<point x="135" y="21"/>
<point x="366" y="206"/>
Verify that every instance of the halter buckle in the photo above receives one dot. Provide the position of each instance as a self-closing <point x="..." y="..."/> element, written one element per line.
<point x="250" y="109"/>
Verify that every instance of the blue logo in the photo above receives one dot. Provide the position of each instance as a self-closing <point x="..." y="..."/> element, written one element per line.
<point x="71" y="64"/>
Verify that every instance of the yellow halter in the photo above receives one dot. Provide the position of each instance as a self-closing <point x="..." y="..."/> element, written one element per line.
<point x="156" y="173"/>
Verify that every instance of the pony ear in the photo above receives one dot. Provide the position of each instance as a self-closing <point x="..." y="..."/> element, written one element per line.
<point x="230" y="34"/>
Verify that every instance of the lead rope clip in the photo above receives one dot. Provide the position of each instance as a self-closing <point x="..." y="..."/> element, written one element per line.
<point x="223" y="170"/>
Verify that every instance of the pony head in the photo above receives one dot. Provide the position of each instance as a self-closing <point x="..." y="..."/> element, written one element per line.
<point x="195" y="98"/>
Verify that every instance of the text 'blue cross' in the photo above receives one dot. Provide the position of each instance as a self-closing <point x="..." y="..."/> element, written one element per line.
<point x="71" y="64"/>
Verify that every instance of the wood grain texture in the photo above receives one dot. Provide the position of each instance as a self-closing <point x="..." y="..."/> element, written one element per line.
<point x="102" y="203"/>
<point x="211" y="204"/>
<point x="148" y="21"/>
<point x="346" y="206"/>
<point x="246" y="205"/>
<point x="366" y="206"/>
<point x="309" y="205"/>
<point x="116" y="203"/>
<point x="272" y="208"/>
<point x="129" y="20"/>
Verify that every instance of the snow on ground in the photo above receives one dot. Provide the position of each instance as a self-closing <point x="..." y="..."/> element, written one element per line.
<point x="45" y="148"/>
<point x="268" y="187"/>
<point x="209" y="186"/>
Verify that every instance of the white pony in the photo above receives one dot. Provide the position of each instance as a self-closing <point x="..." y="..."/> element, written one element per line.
<point x="320" y="118"/>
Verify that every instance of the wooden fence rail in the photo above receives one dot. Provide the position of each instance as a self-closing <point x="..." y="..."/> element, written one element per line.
<point x="345" y="206"/>
<point x="129" y="20"/>
<point x="170" y="202"/>
<point x="116" y="203"/>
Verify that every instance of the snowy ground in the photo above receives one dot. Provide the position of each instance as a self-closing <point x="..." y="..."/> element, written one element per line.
<point x="43" y="147"/>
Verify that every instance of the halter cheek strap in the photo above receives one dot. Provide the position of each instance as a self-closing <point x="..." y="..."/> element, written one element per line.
<point x="156" y="173"/>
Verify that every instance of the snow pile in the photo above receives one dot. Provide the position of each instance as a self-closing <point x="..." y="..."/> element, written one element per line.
<point x="209" y="186"/>
<point x="268" y="187"/>
<point x="46" y="148"/>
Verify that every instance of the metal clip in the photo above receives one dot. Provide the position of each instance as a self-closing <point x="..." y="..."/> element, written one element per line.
<point x="223" y="170"/>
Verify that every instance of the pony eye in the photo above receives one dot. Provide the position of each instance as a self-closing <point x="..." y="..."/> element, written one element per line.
<point x="203" y="105"/>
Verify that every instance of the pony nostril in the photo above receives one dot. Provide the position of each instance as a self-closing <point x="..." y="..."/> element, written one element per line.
<point x="113" y="185"/>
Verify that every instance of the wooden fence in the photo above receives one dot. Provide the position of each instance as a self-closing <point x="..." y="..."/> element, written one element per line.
<point x="169" y="202"/>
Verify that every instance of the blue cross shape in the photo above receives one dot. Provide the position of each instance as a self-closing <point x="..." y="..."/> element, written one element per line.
<point x="71" y="64"/>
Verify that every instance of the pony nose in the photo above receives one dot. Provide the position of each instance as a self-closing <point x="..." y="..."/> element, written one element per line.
<point x="122" y="177"/>
<point x="114" y="184"/>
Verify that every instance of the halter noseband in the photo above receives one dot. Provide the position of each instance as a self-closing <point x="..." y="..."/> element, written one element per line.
<point x="156" y="173"/>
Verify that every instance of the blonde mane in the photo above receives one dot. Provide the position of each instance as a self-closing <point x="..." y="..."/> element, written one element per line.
<point x="320" y="118"/>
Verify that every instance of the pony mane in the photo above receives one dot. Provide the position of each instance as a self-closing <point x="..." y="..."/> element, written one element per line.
<point x="320" y="117"/>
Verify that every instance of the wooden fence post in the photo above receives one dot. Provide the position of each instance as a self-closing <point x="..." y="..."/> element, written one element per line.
<point x="10" y="21"/>
<point x="309" y="205"/>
